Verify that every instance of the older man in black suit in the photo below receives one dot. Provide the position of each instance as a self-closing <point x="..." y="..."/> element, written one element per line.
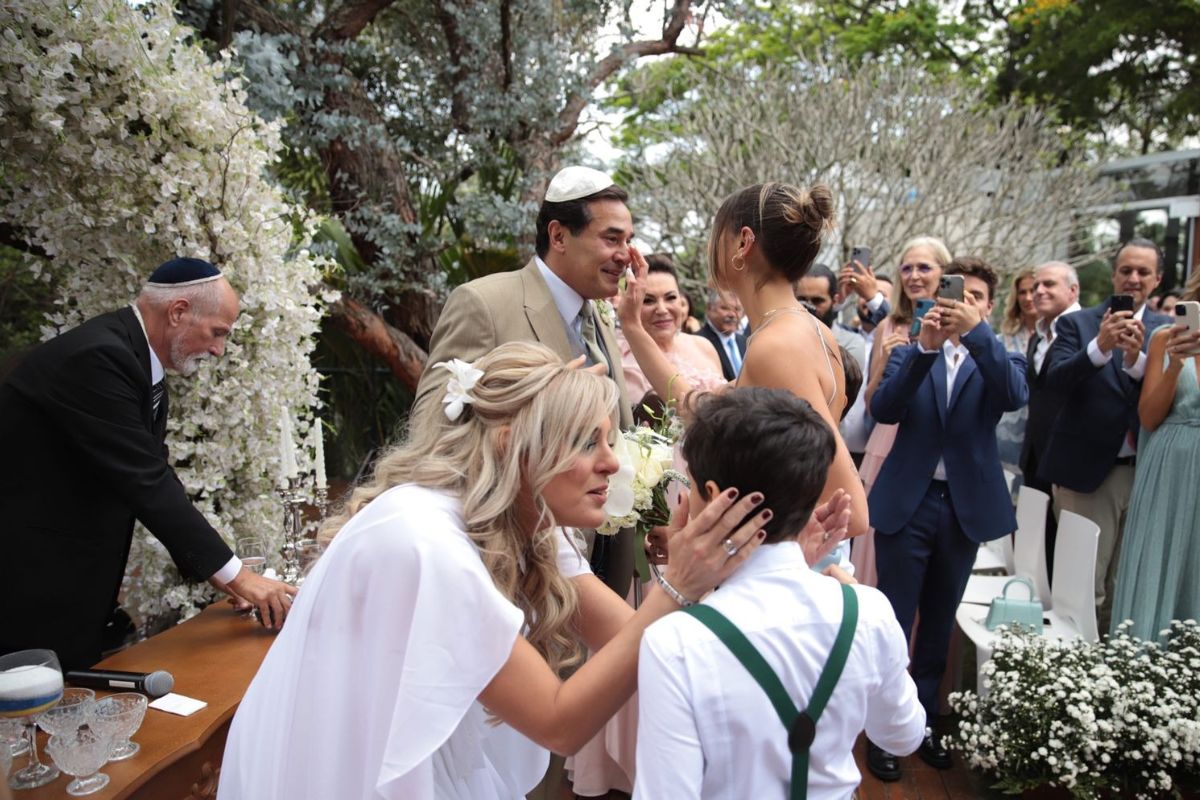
<point x="722" y="317"/>
<point x="82" y="424"/>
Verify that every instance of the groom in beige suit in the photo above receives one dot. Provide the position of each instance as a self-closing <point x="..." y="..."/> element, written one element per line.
<point x="583" y="234"/>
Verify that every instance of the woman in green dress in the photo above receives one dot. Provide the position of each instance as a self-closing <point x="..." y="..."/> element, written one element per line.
<point x="1159" y="575"/>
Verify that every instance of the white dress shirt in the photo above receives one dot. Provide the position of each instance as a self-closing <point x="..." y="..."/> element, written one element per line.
<point x="568" y="302"/>
<point x="955" y="355"/>
<point x="1044" y="341"/>
<point x="234" y="565"/>
<point x="706" y="728"/>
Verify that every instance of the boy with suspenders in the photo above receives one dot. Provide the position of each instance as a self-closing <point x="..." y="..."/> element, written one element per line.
<point x="761" y="689"/>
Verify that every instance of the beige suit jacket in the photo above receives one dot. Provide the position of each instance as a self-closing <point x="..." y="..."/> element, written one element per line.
<point x="517" y="307"/>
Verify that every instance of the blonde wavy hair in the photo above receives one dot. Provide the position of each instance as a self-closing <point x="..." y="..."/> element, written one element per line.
<point x="531" y="417"/>
<point x="1013" y="319"/>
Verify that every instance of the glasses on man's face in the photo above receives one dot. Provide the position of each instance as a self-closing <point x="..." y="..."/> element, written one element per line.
<point x="921" y="268"/>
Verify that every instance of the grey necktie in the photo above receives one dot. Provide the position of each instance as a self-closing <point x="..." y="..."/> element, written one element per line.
<point x="587" y="331"/>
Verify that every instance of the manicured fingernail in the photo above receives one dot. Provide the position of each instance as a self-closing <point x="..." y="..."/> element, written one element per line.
<point x="733" y="493"/>
<point x="760" y="535"/>
<point x="767" y="515"/>
<point x="756" y="498"/>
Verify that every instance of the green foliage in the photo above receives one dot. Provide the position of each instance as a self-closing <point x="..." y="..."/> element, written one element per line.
<point x="1122" y="75"/>
<point x="26" y="298"/>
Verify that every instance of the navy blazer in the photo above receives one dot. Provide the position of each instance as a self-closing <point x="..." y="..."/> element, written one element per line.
<point x="710" y="333"/>
<point x="1099" y="404"/>
<point x="961" y="431"/>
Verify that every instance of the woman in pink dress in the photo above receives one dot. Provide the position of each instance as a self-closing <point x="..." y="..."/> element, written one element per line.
<point x="921" y="266"/>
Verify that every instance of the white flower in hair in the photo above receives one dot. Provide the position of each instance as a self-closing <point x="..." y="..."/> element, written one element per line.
<point x="464" y="376"/>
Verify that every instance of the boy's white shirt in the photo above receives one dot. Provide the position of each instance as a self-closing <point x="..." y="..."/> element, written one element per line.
<point x="706" y="728"/>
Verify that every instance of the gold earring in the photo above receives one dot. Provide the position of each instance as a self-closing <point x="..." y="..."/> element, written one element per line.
<point x="739" y="264"/>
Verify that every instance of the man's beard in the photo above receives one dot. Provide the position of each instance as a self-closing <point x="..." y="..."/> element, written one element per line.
<point x="185" y="363"/>
<point x="829" y="317"/>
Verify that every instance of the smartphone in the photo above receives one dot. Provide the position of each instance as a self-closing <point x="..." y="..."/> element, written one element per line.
<point x="1121" y="302"/>
<point x="862" y="255"/>
<point x="951" y="287"/>
<point x="1187" y="315"/>
<point x="919" y="310"/>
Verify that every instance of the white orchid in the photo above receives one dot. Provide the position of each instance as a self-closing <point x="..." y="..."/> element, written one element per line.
<point x="463" y="378"/>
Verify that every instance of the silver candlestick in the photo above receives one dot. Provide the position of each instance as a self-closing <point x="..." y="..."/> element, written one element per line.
<point x="292" y="531"/>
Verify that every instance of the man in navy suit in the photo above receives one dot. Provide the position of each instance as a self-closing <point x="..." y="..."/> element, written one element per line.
<point x="941" y="490"/>
<point x="1096" y="363"/>
<point x="723" y="315"/>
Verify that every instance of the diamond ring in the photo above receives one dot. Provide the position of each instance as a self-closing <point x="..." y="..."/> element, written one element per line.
<point x="730" y="548"/>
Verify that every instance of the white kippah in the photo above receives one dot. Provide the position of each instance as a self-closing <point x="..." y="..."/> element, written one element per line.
<point x="572" y="183"/>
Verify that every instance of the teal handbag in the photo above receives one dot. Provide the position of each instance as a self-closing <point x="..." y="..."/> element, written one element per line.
<point x="1006" y="610"/>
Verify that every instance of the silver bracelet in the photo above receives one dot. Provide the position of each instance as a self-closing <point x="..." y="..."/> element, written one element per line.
<point x="671" y="591"/>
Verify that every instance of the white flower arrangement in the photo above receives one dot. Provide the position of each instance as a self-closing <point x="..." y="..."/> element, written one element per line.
<point x="1117" y="718"/>
<point x="124" y="145"/>
<point x="637" y="491"/>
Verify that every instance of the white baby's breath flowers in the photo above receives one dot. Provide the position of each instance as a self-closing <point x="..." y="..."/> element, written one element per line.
<point x="1118" y="718"/>
<point x="124" y="145"/>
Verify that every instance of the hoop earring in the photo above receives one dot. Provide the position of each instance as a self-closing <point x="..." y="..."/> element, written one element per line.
<point x="739" y="260"/>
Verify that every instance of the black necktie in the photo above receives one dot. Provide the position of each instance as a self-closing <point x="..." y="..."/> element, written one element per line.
<point x="156" y="395"/>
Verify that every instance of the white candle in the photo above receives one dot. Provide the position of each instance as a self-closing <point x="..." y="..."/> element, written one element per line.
<point x="287" y="454"/>
<point x="319" y="455"/>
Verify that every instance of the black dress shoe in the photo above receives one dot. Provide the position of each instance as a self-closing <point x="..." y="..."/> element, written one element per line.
<point x="933" y="753"/>
<point x="882" y="764"/>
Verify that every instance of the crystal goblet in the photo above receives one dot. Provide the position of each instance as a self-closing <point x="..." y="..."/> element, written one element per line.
<point x="12" y="739"/>
<point x="30" y="682"/>
<point x="72" y="711"/>
<point x="81" y="753"/>
<point x="119" y="716"/>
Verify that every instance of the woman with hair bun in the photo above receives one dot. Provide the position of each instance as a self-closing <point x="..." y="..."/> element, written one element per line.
<point x="448" y="601"/>
<point x="763" y="239"/>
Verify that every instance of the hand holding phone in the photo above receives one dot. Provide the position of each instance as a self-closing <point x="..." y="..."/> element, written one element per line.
<point x="950" y="287"/>
<point x="1121" y="302"/>
<point x="920" y="309"/>
<point x="857" y="277"/>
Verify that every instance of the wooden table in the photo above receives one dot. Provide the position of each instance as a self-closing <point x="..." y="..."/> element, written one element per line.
<point x="213" y="656"/>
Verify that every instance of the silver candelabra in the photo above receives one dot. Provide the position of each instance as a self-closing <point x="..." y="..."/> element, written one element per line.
<point x="295" y="538"/>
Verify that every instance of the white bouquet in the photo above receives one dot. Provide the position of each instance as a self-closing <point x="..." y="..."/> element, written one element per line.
<point x="637" y="492"/>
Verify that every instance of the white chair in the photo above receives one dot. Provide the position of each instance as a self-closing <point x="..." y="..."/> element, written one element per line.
<point x="996" y="555"/>
<point x="1074" y="596"/>
<point x="1028" y="554"/>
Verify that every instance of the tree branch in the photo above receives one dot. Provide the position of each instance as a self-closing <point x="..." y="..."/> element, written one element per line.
<point x="349" y="19"/>
<point x="402" y="355"/>
<point x="568" y="118"/>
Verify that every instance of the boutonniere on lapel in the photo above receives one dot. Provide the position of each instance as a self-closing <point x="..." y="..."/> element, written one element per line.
<point x="606" y="313"/>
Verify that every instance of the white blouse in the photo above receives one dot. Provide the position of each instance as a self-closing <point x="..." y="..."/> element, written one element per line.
<point x="370" y="689"/>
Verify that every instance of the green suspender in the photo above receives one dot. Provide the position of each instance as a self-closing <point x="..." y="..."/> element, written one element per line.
<point x="800" y="725"/>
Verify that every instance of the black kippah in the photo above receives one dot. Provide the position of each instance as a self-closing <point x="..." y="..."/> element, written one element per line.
<point x="183" y="272"/>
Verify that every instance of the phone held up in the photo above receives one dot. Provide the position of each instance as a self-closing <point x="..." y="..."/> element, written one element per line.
<point x="1187" y="315"/>
<point x="951" y="287"/>
<point x="1121" y="302"/>
<point x="919" y="310"/>
<point x="862" y="255"/>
